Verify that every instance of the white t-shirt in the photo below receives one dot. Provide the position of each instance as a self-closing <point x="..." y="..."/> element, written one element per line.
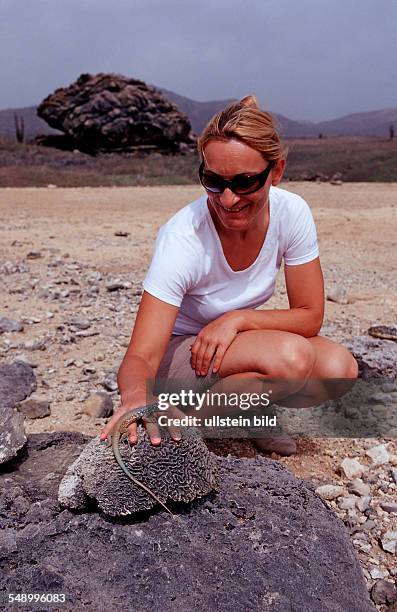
<point x="189" y="268"/>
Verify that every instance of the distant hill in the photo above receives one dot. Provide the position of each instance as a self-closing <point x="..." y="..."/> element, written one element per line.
<point x="200" y="113"/>
<point x="33" y="124"/>
<point x="371" y="123"/>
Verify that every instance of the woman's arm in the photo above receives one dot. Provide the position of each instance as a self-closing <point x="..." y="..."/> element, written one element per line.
<point x="305" y="289"/>
<point x="150" y="336"/>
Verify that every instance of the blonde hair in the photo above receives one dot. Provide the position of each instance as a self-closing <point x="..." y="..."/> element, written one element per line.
<point x="246" y="122"/>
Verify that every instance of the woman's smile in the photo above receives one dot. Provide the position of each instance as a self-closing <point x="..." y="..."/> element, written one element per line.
<point x="234" y="210"/>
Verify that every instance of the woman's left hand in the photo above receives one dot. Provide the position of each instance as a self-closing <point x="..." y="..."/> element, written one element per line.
<point x="214" y="339"/>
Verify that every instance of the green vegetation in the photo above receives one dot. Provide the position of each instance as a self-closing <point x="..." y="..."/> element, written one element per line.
<point x="351" y="159"/>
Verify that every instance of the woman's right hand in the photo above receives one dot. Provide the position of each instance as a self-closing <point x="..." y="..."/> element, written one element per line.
<point x="149" y="422"/>
<point x="150" y="337"/>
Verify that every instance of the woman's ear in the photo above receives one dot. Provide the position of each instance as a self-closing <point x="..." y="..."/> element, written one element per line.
<point x="278" y="171"/>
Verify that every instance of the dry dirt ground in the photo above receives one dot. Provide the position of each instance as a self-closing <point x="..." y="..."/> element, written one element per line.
<point x="356" y="225"/>
<point x="74" y="232"/>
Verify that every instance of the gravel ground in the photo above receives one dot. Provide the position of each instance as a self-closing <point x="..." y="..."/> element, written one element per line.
<point x="71" y="266"/>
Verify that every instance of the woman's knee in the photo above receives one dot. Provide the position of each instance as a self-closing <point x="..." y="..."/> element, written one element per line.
<point x="337" y="363"/>
<point x="296" y="358"/>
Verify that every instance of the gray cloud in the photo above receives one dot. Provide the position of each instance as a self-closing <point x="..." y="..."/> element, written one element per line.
<point x="308" y="60"/>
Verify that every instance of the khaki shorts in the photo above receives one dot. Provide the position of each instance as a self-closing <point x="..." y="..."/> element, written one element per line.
<point x="176" y="373"/>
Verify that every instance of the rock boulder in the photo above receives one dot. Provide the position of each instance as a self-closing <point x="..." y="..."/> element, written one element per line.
<point x="17" y="381"/>
<point x="110" y="112"/>
<point x="264" y="542"/>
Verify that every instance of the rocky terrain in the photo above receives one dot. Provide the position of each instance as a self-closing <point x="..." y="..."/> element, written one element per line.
<point x="71" y="266"/>
<point x="264" y="542"/>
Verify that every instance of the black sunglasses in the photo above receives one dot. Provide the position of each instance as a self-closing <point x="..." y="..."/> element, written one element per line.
<point x="241" y="184"/>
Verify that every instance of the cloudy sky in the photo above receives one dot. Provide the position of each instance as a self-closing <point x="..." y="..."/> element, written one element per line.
<point x="306" y="59"/>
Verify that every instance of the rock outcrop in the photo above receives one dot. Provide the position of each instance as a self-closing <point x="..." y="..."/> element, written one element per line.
<point x="109" y="112"/>
<point x="17" y="381"/>
<point x="376" y="358"/>
<point x="265" y="542"/>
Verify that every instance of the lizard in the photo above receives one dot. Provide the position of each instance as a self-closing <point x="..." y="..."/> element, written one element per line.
<point x="119" y="433"/>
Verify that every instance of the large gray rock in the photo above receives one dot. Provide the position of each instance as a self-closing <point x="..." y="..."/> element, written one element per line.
<point x="264" y="542"/>
<point x="109" y="112"/>
<point x="17" y="381"/>
<point x="376" y="358"/>
<point x="9" y="325"/>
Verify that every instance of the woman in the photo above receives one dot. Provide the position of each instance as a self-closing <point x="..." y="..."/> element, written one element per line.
<point x="215" y="261"/>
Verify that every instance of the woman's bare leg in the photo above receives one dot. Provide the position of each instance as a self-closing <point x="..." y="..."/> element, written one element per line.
<point x="334" y="373"/>
<point x="255" y="356"/>
<point x="305" y="364"/>
<point x="309" y="367"/>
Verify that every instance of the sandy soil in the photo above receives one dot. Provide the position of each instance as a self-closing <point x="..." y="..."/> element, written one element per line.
<point x="356" y="225"/>
<point x="72" y="232"/>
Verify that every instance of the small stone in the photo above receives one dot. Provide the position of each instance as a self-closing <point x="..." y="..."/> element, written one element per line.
<point x="34" y="345"/>
<point x="34" y="255"/>
<point x="94" y="277"/>
<point x="80" y="322"/>
<point x="329" y="491"/>
<point x="376" y="573"/>
<point x="352" y="468"/>
<point x="25" y="359"/>
<point x="363" y="503"/>
<point x="389" y="506"/>
<point x="32" y="320"/>
<point x="378" y="454"/>
<point x="347" y="503"/>
<point x="394" y="475"/>
<point x="8" y="325"/>
<point x="384" y="592"/>
<point x="114" y="286"/>
<point x="358" y="487"/>
<point x="89" y="370"/>
<point x="110" y="381"/>
<point x="98" y="405"/>
<point x="34" y="408"/>
<point x="389" y="541"/>
<point x="368" y="525"/>
<point x="70" y="397"/>
<point x="337" y="294"/>
<point x="86" y="333"/>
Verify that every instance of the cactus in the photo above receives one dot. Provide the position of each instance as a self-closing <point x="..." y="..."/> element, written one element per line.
<point x="19" y="128"/>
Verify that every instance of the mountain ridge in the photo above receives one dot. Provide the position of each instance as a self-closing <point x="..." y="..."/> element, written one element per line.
<point x="364" y="123"/>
